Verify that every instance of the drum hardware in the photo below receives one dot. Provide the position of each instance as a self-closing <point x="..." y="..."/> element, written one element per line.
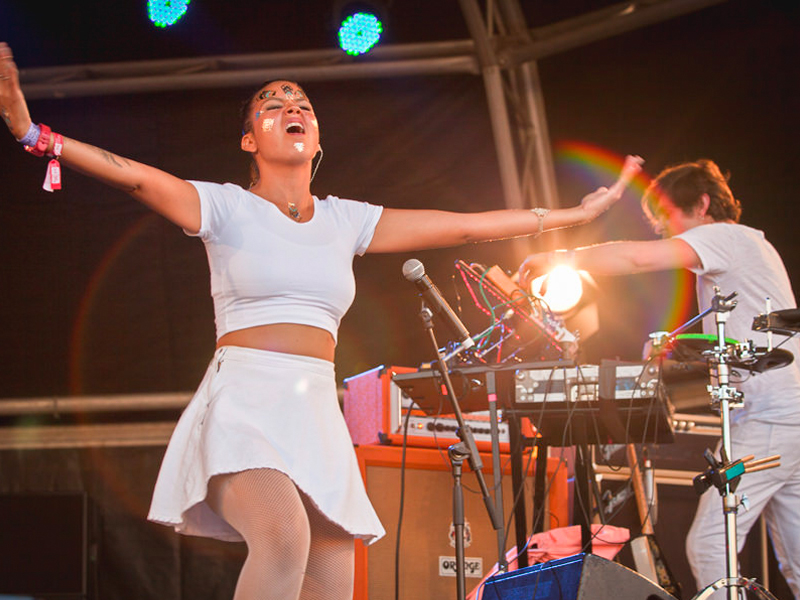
<point x="742" y="583"/>
<point x="725" y="474"/>
<point x="697" y="349"/>
<point x="784" y="322"/>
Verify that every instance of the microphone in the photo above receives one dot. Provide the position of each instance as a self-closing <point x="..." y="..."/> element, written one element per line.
<point x="415" y="273"/>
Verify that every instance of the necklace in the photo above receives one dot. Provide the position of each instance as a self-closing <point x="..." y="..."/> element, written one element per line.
<point x="293" y="212"/>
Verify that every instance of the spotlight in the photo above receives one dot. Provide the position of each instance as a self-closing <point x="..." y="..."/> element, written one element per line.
<point x="360" y="25"/>
<point x="561" y="288"/>
<point x="164" y="13"/>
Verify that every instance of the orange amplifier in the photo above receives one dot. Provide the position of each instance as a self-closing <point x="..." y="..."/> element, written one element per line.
<point x="375" y="409"/>
<point x="425" y="544"/>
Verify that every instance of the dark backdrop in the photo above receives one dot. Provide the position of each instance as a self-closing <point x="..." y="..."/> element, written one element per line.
<point x="98" y="295"/>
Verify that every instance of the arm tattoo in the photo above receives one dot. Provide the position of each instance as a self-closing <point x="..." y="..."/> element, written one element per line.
<point x="110" y="158"/>
<point x="113" y="159"/>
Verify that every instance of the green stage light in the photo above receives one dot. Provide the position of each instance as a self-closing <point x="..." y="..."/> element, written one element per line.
<point x="360" y="29"/>
<point x="164" y="13"/>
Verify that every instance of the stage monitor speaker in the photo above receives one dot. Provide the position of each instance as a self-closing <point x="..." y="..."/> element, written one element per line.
<point x="43" y="551"/>
<point x="579" y="577"/>
<point x="427" y="552"/>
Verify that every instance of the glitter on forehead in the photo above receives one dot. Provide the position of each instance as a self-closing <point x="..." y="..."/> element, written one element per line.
<point x="264" y="94"/>
<point x="299" y="146"/>
<point x="291" y="93"/>
<point x="267" y="124"/>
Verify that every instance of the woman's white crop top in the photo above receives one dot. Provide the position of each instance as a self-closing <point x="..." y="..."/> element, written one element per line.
<point x="267" y="268"/>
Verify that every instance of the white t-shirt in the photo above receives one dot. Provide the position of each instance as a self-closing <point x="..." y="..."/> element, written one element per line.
<point x="737" y="258"/>
<point x="267" y="268"/>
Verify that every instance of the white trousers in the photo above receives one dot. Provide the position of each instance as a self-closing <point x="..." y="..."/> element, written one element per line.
<point x="774" y="492"/>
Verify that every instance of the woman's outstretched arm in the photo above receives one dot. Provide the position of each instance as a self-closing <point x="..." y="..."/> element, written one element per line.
<point x="172" y="197"/>
<point x="406" y="230"/>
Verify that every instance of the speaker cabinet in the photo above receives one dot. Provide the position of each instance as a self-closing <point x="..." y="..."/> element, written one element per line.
<point x="44" y="544"/>
<point x="427" y="555"/>
<point x="579" y="577"/>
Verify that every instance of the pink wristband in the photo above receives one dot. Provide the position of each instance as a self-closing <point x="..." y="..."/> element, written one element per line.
<point x="52" y="180"/>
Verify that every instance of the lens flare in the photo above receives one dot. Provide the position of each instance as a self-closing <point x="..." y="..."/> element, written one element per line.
<point x="591" y="166"/>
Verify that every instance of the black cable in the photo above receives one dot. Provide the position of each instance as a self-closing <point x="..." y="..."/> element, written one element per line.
<point x="402" y="502"/>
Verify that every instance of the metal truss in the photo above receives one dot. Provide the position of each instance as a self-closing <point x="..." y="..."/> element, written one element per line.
<point x="503" y="50"/>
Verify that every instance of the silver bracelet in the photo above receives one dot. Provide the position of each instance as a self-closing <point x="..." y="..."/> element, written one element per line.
<point x="541" y="213"/>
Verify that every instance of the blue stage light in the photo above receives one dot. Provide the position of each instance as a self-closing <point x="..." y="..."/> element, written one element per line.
<point x="164" y="13"/>
<point x="359" y="32"/>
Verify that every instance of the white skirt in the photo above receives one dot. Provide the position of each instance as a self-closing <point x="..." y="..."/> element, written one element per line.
<point x="258" y="409"/>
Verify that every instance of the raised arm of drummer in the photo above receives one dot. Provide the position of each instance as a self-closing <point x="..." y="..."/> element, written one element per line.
<point x="614" y="258"/>
<point x="172" y="197"/>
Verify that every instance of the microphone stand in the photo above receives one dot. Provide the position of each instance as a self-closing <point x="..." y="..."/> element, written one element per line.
<point x="466" y="448"/>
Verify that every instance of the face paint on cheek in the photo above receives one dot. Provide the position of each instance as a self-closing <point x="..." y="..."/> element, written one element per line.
<point x="267" y="124"/>
<point x="299" y="146"/>
<point x="315" y="123"/>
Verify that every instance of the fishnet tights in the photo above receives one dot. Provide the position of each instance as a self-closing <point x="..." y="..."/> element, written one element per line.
<point x="293" y="551"/>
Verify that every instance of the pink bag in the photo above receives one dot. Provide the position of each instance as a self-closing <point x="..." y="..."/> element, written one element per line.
<point x="607" y="541"/>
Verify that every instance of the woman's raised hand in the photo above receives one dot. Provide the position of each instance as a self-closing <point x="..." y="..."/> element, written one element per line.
<point x="600" y="200"/>
<point x="13" y="107"/>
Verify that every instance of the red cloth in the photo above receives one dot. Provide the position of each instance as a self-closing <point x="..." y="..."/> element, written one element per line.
<point x="607" y="540"/>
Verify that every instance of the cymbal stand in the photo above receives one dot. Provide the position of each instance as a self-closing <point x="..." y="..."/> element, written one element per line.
<point x="723" y="474"/>
<point x="466" y="448"/>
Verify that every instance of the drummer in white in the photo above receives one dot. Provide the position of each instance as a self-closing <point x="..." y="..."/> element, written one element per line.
<point x="693" y="209"/>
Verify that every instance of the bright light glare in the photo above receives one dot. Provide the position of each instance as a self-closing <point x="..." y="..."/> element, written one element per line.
<point x="562" y="288"/>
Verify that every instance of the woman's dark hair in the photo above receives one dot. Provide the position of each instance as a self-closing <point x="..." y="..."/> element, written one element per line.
<point x="685" y="184"/>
